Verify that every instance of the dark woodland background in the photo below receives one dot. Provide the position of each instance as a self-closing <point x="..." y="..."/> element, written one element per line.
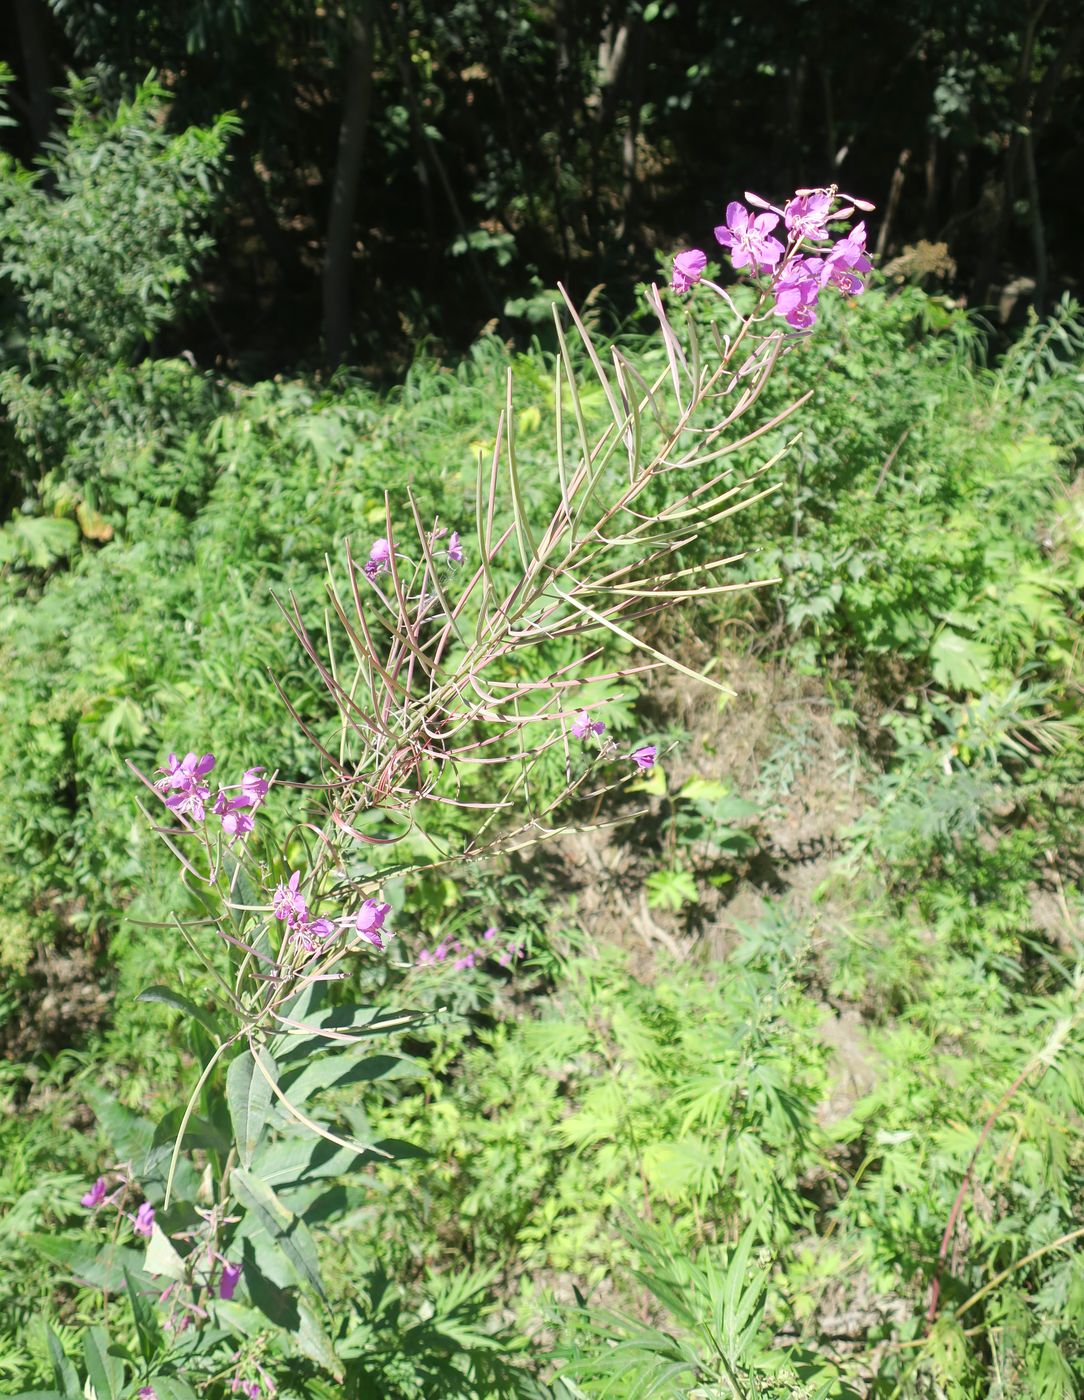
<point x="415" y="170"/>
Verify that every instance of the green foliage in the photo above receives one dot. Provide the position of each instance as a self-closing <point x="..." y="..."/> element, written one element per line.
<point x="101" y="244"/>
<point x="671" y="1167"/>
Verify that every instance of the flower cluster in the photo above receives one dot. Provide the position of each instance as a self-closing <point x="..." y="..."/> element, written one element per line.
<point x="379" y="560"/>
<point x="188" y="794"/>
<point x="797" y="277"/>
<point x="290" y="907"/>
<point x="142" y="1221"/>
<point x="463" y="958"/>
<point x="207" y="1270"/>
<point x="584" y="727"/>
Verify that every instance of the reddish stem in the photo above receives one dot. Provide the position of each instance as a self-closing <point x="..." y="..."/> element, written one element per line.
<point x="957" y="1205"/>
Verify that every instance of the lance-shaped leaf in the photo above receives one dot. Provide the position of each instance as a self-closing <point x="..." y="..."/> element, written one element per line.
<point x="104" y="1371"/>
<point x="146" y="1323"/>
<point x="166" y="997"/>
<point x="248" y="1093"/>
<point x="65" y="1377"/>
<point x="286" y="1229"/>
<point x="171" y="1388"/>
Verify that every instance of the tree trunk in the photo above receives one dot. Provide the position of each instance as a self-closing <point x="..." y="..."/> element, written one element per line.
<point x="338" y="254"/>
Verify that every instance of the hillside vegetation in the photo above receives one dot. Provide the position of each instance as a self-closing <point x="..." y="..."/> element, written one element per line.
<point x="769" y="1079"/>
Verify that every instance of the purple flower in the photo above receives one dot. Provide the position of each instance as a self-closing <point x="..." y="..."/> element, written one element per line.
<point x="424" y="957"/>
<point x="644" y="757"/>
<point x="370" y="921"/>
<point x="235" y="823"/>
<point x="464" y="962"/>
<point x="306" y="930"/>
<point x="847" y="262"/>
<point x="490" y="934"/>
<point x="583" y="725"/>
<point x="95" y="1196"/>
<point x="379" y="559"/>
<point x="254" y="788"/>
<point x="440" y="952"/>
<point x="147" y="1392"/>
<point x="455" y="549"/>
<point x="806" y="215"/>
<point x="182" y="778"/>
<point x="688" y="269"/>
<point x="796" y="290"/>
<point x="143" y="1224"/>
<point x="182" y="772"/>
<point x="228" y="1282"/>
<point x="289" y="903"/>
<point x="749" y="238"/>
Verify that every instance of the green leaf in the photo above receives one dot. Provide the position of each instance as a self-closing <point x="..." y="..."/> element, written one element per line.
<point x="290" y="1232"/>
<point x="248" y="1093"/>
<point x="37" y="541"/>
<point x="161" y="1257"/>
<point x="198" y="1132"/>
<point x="99" y="1267"/>
<point x="65" y="1376"/>
<point x="171" y="1388"/>
<point x="312" y="1341"/>
<point x="670" y="889"/>
<point x="355" y="1021"/>
<point x="166" y="997"/>
<point x="130" y="1136"/>
<point x="277" y="1301"/>
<point x="653" y="782"/>
<point x="105" y="1372"/>
<point x="344" y="1068"/>
<point x="146" y="1323"/>
<point x="958" y="663"/>
<point x="298" y="1160"/>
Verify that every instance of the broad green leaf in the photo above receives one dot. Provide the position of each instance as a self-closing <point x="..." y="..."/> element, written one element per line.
<point x="653" y="782"/>
<point x="312" y="1341"/>
<point x="130" y="1136"/>
<point x="704" y="790"/>
<point x="958" y="663"/>
<point x="166" y="997"/>
<point x="198" y="1132"/>
<point x="105" y="1372"/>
<point x="248" y="1093"/>
<point x="171" y="1388"/>
<point x="353" y="1021"/>
<point x="343" y="1068"/>
<point x="37" y="540"/>
<point x="290" y="1232"/>
<point x="272" y="1293"/>
<point x="161" y="1257"/>
<point x="296" y="1160"/>
<point x="99" y="1267"/>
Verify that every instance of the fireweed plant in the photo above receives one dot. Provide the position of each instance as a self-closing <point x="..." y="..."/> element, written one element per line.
<point x="418" y="651"/>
